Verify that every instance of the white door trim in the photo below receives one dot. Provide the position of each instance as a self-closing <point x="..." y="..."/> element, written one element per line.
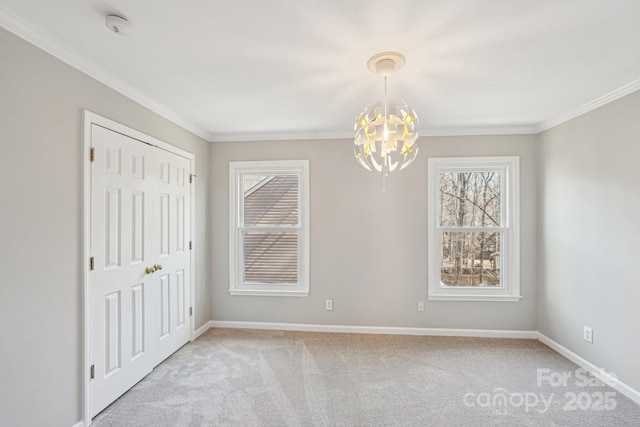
<point x="90" y="119"/>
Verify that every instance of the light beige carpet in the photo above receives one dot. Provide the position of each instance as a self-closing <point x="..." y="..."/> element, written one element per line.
<point x="271" y="378"/>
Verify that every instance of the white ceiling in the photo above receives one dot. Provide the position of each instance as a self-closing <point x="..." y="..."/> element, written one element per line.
<point x="242" y="69"/>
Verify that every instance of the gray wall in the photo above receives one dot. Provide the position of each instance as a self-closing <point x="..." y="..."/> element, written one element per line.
<point x="375" y="274"/>
<point x="589" y="223"/>
<point x="41" y="103"/>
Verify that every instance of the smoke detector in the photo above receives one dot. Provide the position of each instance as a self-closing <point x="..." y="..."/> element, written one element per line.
<point x="118" y="24"/>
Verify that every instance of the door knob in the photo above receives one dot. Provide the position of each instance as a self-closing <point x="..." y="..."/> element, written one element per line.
<point x="153" y="268"/>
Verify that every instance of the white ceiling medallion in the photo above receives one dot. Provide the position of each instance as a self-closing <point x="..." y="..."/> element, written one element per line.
<point x="118" y="24"/>
<point x="386" y="134"/>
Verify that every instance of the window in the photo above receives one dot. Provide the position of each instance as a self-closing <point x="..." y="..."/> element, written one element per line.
<point x="474" y="236"/>
<point x="269" y="228"/>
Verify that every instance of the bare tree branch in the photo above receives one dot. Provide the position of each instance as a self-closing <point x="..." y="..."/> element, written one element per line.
<point x="483" y="209"/>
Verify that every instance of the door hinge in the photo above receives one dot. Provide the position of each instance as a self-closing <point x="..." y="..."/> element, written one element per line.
<point x="92" y="371"/>
<point x="91" y="263"/>
<point x="92" y="154"/>
<point x="191" y="245"/>
<point x="191" y="178"/>
<point x="190" y="311"/>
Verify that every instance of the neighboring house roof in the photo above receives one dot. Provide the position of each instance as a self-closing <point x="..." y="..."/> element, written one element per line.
<point x="271" y="257"/>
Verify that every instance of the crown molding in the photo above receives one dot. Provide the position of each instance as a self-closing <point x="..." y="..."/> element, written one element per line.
<point x="479" y="130"/>
<point x="64" y="53"/>
<point x="590" y="106"/>
<point x="435" y="131"/>
<point x="278" y="136"/>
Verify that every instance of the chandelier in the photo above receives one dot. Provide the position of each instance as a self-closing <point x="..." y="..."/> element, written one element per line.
<point x="386" y="138"/>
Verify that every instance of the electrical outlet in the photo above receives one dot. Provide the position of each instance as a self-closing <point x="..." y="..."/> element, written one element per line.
<point x="420" y="305"/>
<point x="328" y="304"/>
<point x="588" y="334"/>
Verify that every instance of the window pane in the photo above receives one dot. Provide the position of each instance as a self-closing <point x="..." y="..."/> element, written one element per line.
<point x="470" y="199"/>
<point x="271" y="257"/>
<point x="470" y="259"/>
<point x="251" y="181"/>
<point x="270" y="200"/>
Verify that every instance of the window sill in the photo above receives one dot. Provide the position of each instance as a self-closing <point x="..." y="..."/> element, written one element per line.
<point x="467" y="297"/>
<point x="269" y="293"/>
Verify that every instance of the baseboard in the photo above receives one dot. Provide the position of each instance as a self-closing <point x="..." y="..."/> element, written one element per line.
<point x="385" y="330"/>
<point x="202" y="329"/>
<point x="618" y="385"/>
<point x="79" y="424"/>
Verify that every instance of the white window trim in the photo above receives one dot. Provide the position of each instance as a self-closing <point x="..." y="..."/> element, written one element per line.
<point x="510" y="260"/>
<point x="236" y="170"/>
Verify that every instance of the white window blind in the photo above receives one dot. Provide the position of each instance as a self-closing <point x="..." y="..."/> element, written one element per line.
<point x="269" y="228"/>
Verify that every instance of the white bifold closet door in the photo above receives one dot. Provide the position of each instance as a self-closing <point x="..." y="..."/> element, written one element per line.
<point x="140" y="285"/>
